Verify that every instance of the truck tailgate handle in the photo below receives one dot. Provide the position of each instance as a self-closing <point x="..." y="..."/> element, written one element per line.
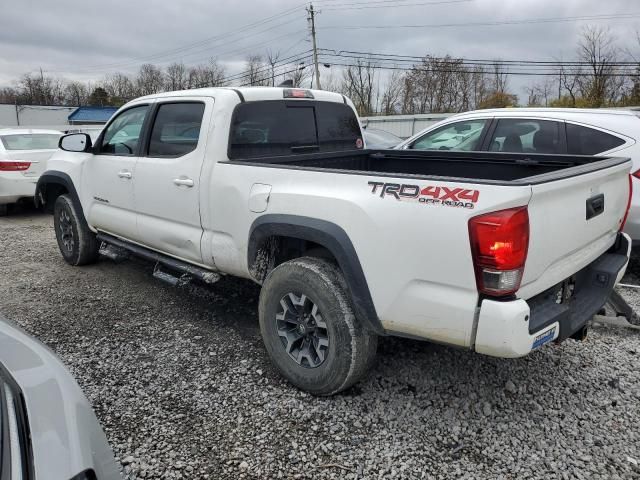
<point x="595" y="206"/>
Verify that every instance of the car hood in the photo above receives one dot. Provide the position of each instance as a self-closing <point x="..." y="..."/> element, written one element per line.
<point x="66" y="437"/>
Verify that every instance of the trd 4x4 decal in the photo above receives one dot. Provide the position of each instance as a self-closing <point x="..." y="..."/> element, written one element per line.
<point x="428" y="195"/>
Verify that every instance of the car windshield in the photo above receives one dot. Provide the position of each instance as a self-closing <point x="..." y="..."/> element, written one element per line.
<point x="30" y="141"/>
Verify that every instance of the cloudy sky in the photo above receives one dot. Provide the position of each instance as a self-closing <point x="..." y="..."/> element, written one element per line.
<point x="86" y="40"/>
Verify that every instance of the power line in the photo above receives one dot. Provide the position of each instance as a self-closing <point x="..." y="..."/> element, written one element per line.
<point x="185" y="47"/>
<point x="367" y="5"/>
<point x="621" y="16"/>
<point x="462" y="70"/>
<point x="377" y="57"/>
<point x="299" y="57"/>
<point x="260" y="80"/>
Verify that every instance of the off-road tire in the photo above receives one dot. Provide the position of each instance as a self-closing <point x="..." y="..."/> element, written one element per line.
<point x="351" y="347"/>
<point x="76" y="242"/>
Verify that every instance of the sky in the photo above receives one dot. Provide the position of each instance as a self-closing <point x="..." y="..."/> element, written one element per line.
<point x="86" y="40"/>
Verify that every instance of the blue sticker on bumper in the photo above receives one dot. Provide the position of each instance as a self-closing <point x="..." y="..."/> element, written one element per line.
<point x="544" y="338"/>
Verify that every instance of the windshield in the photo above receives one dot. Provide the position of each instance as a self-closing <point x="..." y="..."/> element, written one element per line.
<point x="30" y="141"/>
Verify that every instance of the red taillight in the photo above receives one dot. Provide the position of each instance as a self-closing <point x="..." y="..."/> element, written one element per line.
<point x="499" y="243"/>
<point x="626" y="212"/>
<point x="10" y="166"/>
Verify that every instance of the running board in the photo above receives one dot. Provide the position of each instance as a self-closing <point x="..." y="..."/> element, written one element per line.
<point x="186" y="269"/>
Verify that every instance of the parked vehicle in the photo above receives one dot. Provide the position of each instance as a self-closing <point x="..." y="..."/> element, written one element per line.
<point x="491" y="252"/>
<point x="23" y="157"/>
<point x="47" y="427"/>
<point x="543" y="130"/>
<point x="379" y="139"/>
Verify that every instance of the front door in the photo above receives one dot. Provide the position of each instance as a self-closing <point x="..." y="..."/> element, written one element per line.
<point x="168" y="179"/>
<point x="111" y="172"/>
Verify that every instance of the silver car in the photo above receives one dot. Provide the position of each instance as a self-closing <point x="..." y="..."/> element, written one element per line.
<point x="47" y="427"/>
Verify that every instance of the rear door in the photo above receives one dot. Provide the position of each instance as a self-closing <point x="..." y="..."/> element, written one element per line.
<point x="167" y="182"/>
<point x="572" y="222"/>
<point x="109" y="175"/>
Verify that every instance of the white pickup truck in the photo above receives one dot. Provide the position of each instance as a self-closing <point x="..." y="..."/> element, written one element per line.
<point x="493" y="252"/>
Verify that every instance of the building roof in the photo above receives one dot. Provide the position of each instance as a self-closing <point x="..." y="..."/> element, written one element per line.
<point x="92" y="114"/>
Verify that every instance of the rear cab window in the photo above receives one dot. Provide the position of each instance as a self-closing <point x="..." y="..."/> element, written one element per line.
<point x="276" y="127"/>
<point x="589" y="141"/>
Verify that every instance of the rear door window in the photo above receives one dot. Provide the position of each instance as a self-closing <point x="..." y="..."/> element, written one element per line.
<point x="589" y="141"/>
<point x="517" y="135"/>
<point x="267" y="128"/>
<point x="176" y="129"/>
<point x="458" y="136"/>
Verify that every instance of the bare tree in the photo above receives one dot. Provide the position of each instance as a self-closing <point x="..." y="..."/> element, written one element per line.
<point x="539" y="94"/>
<point x="255" y="72"/>
<point x="392" y="94"/>
<point x="443" y="85"/>
<point x="598" y="49"/>
<point x="149" y="80"/>
<point x="298" y="73"/>
<point x="210" y="74"/>
<point x="120" y="88"/>
<point x="500" y="77"/>
<point x="8" y="95"/>
<point x="40" y="89"/>
<point x="76" y="94"/>
<point x="359" y="83"/>
<point x="272" y="60"/>
<point x="176" y="76"/>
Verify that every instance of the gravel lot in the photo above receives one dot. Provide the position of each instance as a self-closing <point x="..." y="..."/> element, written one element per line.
<point x="183" y="387"/>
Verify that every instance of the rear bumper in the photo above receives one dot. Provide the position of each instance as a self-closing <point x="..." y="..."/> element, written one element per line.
<point x="515" y="328"/>
<point x="14" y="186"/>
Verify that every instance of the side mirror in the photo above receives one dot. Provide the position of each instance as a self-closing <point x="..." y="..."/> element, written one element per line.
<point x="75" y="142"/>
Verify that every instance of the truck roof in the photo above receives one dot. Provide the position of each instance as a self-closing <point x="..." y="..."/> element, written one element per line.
<point x="249" y="93"/>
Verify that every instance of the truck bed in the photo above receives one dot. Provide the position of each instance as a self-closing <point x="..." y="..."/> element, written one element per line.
<point x="476" y="167"/>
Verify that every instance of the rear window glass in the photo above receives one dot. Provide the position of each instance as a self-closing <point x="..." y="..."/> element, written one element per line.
<point x="283" y="128"/>
<point x="588" y="141"/>
<point x="31" y="141"/>
<point x="176" y="129"/>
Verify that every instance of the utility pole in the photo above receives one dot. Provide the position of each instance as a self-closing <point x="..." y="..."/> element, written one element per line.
<point x="312" y="21"/>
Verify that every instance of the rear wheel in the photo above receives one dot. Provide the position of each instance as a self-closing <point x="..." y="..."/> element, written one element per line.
<point x="309" y="328"/>
<point x="3" y="210"/>
<point x="76" y="242"/>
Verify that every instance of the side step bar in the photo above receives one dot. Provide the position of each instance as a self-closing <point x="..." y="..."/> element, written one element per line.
<point x="187" y="270"/>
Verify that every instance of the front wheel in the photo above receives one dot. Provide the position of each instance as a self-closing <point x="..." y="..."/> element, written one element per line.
<point x="309" y="328"/>
<point x="76" y="242"/>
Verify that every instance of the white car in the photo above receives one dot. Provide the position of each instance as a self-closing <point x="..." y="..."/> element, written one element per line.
<point x="497" y="253"/>
<point x="603" y="132"/>
<point x="23" y="158"/>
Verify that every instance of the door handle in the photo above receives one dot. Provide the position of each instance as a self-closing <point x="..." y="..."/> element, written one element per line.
<point x="124" y="174"/>
<point x="183" y="182"/>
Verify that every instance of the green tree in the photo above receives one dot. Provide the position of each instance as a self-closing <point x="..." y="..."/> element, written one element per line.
<point x="99" y="97"/>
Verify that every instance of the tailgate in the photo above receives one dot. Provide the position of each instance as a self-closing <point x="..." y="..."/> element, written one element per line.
<point x="572" y="222"/>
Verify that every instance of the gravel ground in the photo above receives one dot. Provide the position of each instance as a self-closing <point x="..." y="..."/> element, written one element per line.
<point x="183" y="387"/>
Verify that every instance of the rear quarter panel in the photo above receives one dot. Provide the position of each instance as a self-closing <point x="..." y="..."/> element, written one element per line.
<point x="415" y="256"/>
